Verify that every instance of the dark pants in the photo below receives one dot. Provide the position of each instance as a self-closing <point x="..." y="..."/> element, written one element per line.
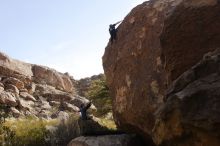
<point x="113" y="35"/>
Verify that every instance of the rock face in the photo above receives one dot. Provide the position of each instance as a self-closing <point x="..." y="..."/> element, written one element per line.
<point x="51" y="77"/>
<point x="190" y="115"/>
<point x="157" y="41"/>
<point x="27" y="89"/>
<point x="11" y="67"/>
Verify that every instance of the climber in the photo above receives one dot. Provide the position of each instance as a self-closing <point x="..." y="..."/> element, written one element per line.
<point x="113" y="31"/>
<point x="83" y="111"/>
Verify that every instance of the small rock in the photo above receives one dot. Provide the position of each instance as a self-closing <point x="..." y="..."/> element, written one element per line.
<point x="24" y="104"/>
<point x="12" y="88"/>
<point x="1" y="89"/>
<point x="44" y="114"/>
<point x="19" y="84"/>
<point x="15" y="112"/>
<point x="23" y="90"/>
<point x="70" y="107"/>
<point x="63" y="116"/>
<point x="8" y="98"/>
<point x="27" y="96"/>
<point x="2" y="85"/>
<point x="54" y="103"/>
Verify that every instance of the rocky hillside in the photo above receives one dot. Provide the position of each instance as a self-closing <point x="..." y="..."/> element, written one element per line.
<point x="83" y="85"/>
<point x="156" y="43"/>
<point x="28" y="89"/>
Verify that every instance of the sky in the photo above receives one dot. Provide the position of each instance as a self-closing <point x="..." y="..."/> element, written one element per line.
<point x="67" y="35"/>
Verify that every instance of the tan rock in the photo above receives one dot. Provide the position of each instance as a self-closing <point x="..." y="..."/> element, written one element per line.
<point x="27" y="96"/>
<point x="12" y="88"/>
<point x="192" y="106"/>
<point x="13" y="81"/>
<point x="23" y="90"/>
<point x="7" y="98"/>
<point x="45" y="75"/>
<point x="156" y="42"/>
<point x="15" y="112"/>
<point x="2" y="85"/>
<point x="10" y="67"/>
<point x="1" y="89"/>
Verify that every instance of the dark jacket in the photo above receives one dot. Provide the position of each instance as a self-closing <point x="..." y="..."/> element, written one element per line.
<point x="83" y="109"/>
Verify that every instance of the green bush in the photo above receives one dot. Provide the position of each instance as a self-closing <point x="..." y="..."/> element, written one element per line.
<point x="25" y="132"/>
<point x="98" y="92"/>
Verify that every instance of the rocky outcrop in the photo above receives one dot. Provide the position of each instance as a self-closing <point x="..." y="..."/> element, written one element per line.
<point x="11" y="67"/>
<point x="157" y="41"/>
<point x="21" y="72"/>
<point x="190" y="115"/>
<point x="72" y="128"/>
<point x="34" y="90"/>
<point x="45" y="75"/>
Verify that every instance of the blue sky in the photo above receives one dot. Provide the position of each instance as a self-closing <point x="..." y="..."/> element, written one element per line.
<point x="68" y="35"/>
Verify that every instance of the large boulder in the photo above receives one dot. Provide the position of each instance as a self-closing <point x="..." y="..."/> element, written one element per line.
<point x="106" y="140"/>
<point x="156" y="42"/>
<point x="45" y="75"/>
<point x="10" y="67"/>
<point x="190" y="115"/>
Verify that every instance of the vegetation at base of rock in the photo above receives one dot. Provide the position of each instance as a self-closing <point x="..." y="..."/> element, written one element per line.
<point x="110" y="124"/>
<point x="36" y="132"/>
<point x="25" y="132"/>
<point x="64" y="132"/>
<point x="98" y="92"/>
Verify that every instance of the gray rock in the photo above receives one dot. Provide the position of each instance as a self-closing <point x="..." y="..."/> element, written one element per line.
<point x="25" y="104"/>
<point x="62" y="116"/>
<point x="106" y="140"/>
<point x="70" y="107"/>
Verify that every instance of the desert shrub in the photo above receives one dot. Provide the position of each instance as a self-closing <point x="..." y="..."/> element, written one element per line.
<point x="98" y="92"/>
<point x="36" y="132"/>
<point x="25" y="132"/>
<point x="75" y="127"/>
<point x="64" y="132"/>
<point x="110" y="124"/>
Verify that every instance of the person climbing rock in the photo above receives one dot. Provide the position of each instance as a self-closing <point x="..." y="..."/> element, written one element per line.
<point x="113" y="31"/>
<point x="83" y="111"/>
